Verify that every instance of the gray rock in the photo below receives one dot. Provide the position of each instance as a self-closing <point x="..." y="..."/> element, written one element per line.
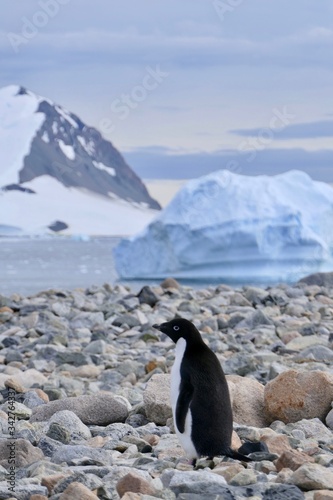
<point x="21" y="411"/>
<point x="115" y="431"/>
<point x="67" y="422"/>
<point x="59" y="433"/>
<point x="49" y="446"/>
<point x="313" y="477"/>
<point x="54" y="393"/>
<point x="136" y="420"/>
<point x="312" y="428"/>
<point x="31" y="399"/>
<point x="329" y="419"/>
<point x="127" y="319"/>
<point x="96" y="409"/>
<point x="131" y="366"/>
<point x="240" y="364"/>
<point x="156" y="399"/>
<point x="96" y="347"/>
<point x="61" y="309"/>
<point x="308" y="329"/>
<point x="29" y="378"/>
<point x="202" y="482"/>
<point x="316" y="352"/>
<point x="320" y="279"/>
<point x="147" y="296"/>
<point x="255" y="295"/>
<point x="20" y="449"/>
<point x="87" y="320"/>
<point x="72" y="358"/>
<point x="72" y="453"/>
<point x="283" y="492"/>
<point x="43" y="468"/>
<point x="255" y="319"/>
<point x="91" y="481"/>
<point x="12" y="354"/>
<point x="22" y="492"/>
<point x="244" y="478"/>
<point x="168" y="444"/>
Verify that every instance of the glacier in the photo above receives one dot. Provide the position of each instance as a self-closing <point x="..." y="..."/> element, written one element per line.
<point x="232" y="227"/>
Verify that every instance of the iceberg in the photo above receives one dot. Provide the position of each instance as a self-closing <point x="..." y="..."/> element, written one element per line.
<point x="226" y="226"/>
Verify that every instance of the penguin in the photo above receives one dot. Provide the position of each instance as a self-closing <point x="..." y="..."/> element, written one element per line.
<point x="200" y="397"/>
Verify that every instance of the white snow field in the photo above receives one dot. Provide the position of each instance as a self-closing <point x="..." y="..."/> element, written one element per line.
<point x="18" y="115"/>
<point x="84" y="212"/>
<point x="229" y="226"/>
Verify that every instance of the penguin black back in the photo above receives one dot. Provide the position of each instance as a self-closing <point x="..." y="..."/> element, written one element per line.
<point x="203" y="391"/>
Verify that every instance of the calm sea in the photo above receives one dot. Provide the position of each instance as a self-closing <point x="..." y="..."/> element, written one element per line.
<point x="28" y="266"/>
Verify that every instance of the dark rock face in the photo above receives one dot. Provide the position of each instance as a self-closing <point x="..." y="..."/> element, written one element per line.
<point x="17" y="187"/>
<point x="78" y="156"/>
<point x="57" y="226"/>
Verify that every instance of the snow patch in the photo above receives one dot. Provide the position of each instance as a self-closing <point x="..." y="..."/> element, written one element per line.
<point x="67" y="150"/>
<point x="84" y="212"/>
<point x="45" y="137"/>
<point x="224" y="226"/>
<point x="55" y="128"/>
<point x="17" y="112"/>
<point x="65" y="114"/>
<point x="101" y="166"/>
<point x="82" y="141"/>
<point x="88" y="146"/>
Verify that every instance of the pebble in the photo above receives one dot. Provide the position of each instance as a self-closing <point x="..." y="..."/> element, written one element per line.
<point x="77" y="491"/>
<point x="91" y="380"/>
<point x="313" y="477"/>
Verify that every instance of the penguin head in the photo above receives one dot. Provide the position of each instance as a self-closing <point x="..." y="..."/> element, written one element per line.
<point x="179" y="328"/>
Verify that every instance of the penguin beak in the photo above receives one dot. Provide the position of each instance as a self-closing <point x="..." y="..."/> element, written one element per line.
<point x="160" y="327"/>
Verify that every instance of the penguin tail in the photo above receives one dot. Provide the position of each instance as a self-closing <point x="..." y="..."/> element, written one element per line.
<point x="237" y="456"/>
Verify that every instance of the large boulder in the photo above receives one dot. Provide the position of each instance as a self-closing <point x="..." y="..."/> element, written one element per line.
<point x="95" y="409"/>
<point x="247" y="397"/>
<point x="294" y="395"/>
<point x="320" y="279"/>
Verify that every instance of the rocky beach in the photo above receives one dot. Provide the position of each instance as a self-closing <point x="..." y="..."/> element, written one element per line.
<point x="84" y="381"/>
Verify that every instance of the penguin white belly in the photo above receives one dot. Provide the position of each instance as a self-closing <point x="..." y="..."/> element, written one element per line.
<point x="185" y="437"/>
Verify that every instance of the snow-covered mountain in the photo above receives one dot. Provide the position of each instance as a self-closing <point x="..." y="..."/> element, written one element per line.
<point x="59" y="173"/>
<point x="235" y="227"/>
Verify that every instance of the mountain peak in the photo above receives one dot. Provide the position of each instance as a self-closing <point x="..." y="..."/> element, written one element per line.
<point x="46" y="139"/>
<point x="41" y="139"/>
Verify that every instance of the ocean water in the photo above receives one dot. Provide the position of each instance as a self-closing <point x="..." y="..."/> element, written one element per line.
<point x="28" y="266"/>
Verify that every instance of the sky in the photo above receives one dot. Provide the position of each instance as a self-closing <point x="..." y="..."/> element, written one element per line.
<point x="185" y="87"/>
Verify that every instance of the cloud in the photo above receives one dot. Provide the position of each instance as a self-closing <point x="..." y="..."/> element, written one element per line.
<point x="307" y="49"/>
<point x="161" y="163"/>
<point x="312" y="130"/>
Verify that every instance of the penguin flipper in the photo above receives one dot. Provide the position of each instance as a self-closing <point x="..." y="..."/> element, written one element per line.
<point x="183" y="403"/>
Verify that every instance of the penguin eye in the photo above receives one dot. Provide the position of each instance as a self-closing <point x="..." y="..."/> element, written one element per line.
<point x="176" y="328"/>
